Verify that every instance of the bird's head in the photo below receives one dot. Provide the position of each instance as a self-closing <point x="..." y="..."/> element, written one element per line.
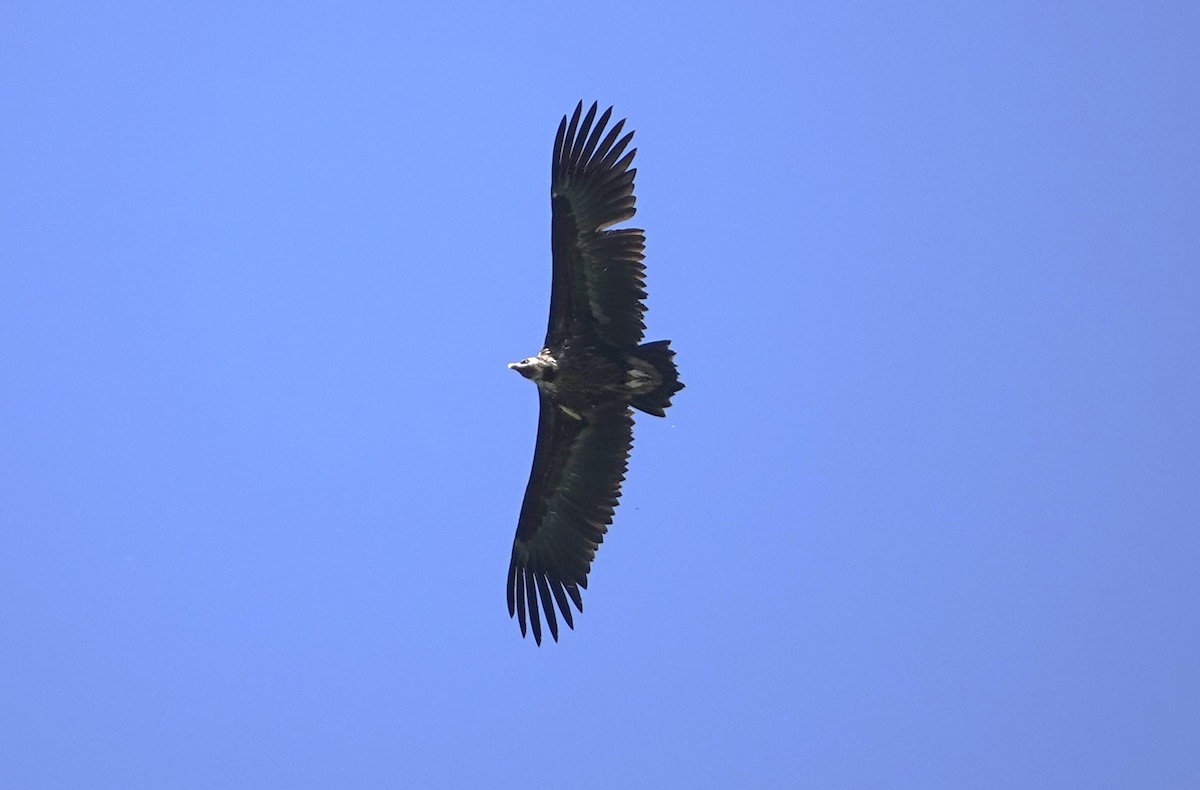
<point x="534" y="368"/>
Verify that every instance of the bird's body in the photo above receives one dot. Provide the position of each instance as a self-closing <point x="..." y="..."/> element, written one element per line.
<point x="577" y="375"/>
<point x="593" y="369"/>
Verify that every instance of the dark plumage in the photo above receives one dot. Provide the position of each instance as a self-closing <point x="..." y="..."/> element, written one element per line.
<point x="592" y="371"/>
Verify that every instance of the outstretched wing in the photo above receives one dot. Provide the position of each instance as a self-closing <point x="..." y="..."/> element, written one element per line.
<point x="598" y="274"/>
<point x="578" y="466"/>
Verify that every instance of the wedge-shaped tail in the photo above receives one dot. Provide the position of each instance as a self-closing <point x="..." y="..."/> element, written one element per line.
<point x="660" y="355"/>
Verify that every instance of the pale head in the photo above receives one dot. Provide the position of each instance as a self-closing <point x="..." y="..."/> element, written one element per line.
<point x="539" y="368"/>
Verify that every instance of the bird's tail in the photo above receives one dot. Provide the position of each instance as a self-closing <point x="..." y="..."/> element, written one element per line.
<point x="660" y="355"/>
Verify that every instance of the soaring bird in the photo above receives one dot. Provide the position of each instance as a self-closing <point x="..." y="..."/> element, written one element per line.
<point x="592" y="371"/>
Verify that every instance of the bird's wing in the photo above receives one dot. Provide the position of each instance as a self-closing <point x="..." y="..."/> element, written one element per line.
<point x="578" y="466"/>
<point x="598" y="274"/>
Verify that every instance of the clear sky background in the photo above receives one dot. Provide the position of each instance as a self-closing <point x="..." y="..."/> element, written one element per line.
<point x="926" y="515"/>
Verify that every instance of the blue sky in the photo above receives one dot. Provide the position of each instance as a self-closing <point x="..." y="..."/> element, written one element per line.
<point x="925" y="516"/>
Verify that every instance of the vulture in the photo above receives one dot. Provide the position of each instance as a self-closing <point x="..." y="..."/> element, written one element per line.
<point x="592" y="371"/>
